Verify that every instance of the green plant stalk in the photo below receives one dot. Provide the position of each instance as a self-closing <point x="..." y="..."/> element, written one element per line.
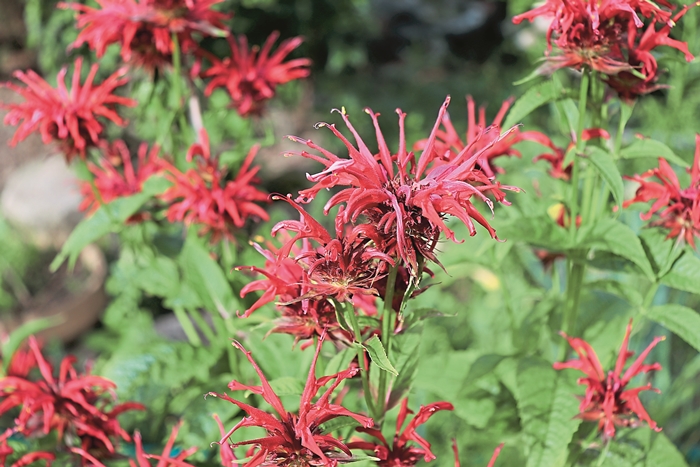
<point x="187" y="326"/>
<point x="177" y="84"/>
<point x="603" y="454"/>
<point x="387" y="320"/>
<point x="349" y="312"/>
<point x="580" y="146"/>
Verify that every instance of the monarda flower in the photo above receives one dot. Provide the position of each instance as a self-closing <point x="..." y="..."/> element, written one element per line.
<point x="205" y="197"/>
<point x="678" y="208"/>
<point x="144" y="28"/>
<point x="69" y="117"/>
<point x="607" y="401"/>
<point x="294" y="439"/>
<point x="251" y="76"/>
<point x="400" y="453"/>
<point x="75" y="405"/>
<point x="116" y="176"/>
<point x="26" y="459"/>
<point x="406" y="199"/>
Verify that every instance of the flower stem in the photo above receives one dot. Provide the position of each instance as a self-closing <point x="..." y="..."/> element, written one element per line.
<point x="387" y="331"/>
<point x="348" y="311"/>
<point x="177" y="84"/>
<point x="580" y="146"/>
<point x="604" y="453"/>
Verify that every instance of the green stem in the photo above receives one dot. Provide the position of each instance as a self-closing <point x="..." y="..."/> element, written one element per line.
<point x="603" y="454"/>
<point x="580" y="146"/>
<point x="649" y="297"/>
<point x="177" y="84"/>
<point x="573" y="296"/>
<point x="348" y="310"/>
<point x="387" y="331"/>
<point x="187" y="326"/>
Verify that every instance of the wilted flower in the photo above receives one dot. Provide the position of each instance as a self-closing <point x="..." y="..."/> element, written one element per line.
<point x="116" y="176"/>
<point x="407" y="200"/>
<point x="68" y="116"/>
<point x="72" y="405"/>
<point x="400" y="453"/>
<point x="606" y="400"/>
<point x="294" y="439"/>
<point x="251" y="76"/>
<point x="26" y="459"/>
<point x="204" y="195"/>
<point x="678" y="208"/>
<point x="144" y="28"/>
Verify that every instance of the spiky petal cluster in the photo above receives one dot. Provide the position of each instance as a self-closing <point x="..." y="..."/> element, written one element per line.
<point x="607" y="400"/>
<point x="144" y="29"/>
<point x="404" y="198"/>
<point x="400" y="453"/>
<point x="204" y="196"/>
<point x="294" y="439"/>
<point x="26" y="459"/>
<point x="75" y="405"/>
<point x="116" y="176"/>
<point x="602" y="35"/>
<point x="678" y="208"/>
<point x="70" y="117"/>
<point x="251" y="76"/>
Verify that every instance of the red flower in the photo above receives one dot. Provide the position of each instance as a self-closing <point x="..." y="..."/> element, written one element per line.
<point x="116" y="177"/>
<point x="294" y="439"/>
<point x="678" y="209"/>
<point x="250" y="77"/>
<point x="406" y="199"/>
<point x="29" y="458"/>
<point x="204" y="196"/>
<point x="606" y="400"/>
<point x="143" y="460"/>
<point x="492" y="462"/>
<point x="144" y="28"/>
<point x="556" y="158"/>
<point x="74" y="405"/>
<point x="479" y="138"/>
<point x="70" y="117"/>
<point x="400" y="453"/>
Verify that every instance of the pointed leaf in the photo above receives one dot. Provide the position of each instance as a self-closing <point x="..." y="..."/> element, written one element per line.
<point x="653" y="149"/>
<point x="533" y="98"/>
<point x="378" y="355"/>
<point x="685" y="273"/>
<point x="23" y="332"/>
<point x="664" y="454"/>
<point x="603" y="161"/>
<point x="679" y="319"/>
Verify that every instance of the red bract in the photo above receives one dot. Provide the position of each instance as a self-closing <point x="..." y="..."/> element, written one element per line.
<point x="251" y="76"/>
<point x="116" y="176"/>
<point x="29" y="458"/>
<point x="143" y="460"/>
<point x="606" y="400"/>
<point x="479" y="136"/>
<point x="74" y="405"/>
<point x="678" y="208"/>
<point x="294" y="439"/>
<point x="405" y="199"/>
<point x="400" y="453"/>
<point x="204" y="196"/>
<point x="144" y="28"/>
<point x="67" y="116"/>
<point x="556" y="158"/>
<point x="492" y="462"/>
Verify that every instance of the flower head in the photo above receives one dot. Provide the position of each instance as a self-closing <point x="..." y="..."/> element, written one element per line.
<point x="116" y="176"/>
<point x="404" y="198"/>
<point x="294" y="439"/>
<point x="204" y="195"/>
<point x="400" y="453"/>
<point x="144" y="28"/>
<point x="678" y="208"/>
<point x="73" y="404"/>
<point x="607" y="400"/>
<point x="68" y="116"/>
<point x="251" y="76"/>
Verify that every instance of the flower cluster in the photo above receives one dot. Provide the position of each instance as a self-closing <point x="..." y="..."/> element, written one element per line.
<point x="204" y="196"/>
<point x="607" y="36"/>
<point x="69" y="117"/>
<point x="144" y="29"/>
<point x="74" y="405"/>
<point x="607" y="400"/>
<point x="678" y="208"/>
<point x="294" y="438"/>
<point x="250" y="77"/>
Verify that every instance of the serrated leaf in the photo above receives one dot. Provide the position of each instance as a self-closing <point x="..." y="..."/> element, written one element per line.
<point x="378" y="355"/>
<point x="533" y="98"/>
<point x="651" y="148"/>
<point x="22" y="333"/>
<point x="685" y="273"/>
<point x="603" y="161"/>
<point x="679" y="319"/>
<point x="616" y="237"/>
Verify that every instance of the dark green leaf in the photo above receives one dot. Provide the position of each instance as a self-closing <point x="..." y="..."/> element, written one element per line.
<point x="378" y="355"/>
<point x="533" y="98"/>
<point x="603" y="161"/>
<point x="679" y="319"/>
<point x="653" y="149"/>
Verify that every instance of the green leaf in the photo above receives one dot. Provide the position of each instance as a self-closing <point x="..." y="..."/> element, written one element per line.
<point x="22" y="333"/>
<point x="603" y="161"/>
<point x="538" y="230"/>
<point x="533" y="98"/>
<point x="407" y="348"/>
<point x="685" y="273"/>
<point x="287" y="386"/>
<point x="651" y="148"/>
<point x="476" y="412"/>
<point x="338" y="424"/>
<point x="340" y="361"/>
<point x="679" y="319"/>
<point x="378" y="355"/>
<point x="664" y="454"/>
<point x="483" y="366"/>
<point x="161" y="278"/>
<point x="616" y="237"/>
